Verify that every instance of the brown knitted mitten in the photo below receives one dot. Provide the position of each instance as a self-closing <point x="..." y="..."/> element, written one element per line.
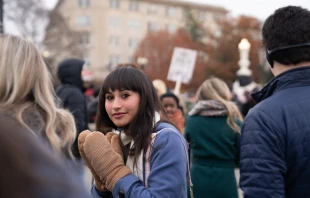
<point x="114" y="140"/>
<point x="99" y="185"/>
<point x="107" y="163"/>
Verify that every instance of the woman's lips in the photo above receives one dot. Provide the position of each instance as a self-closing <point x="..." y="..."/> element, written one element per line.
<point x="118" y="115"/>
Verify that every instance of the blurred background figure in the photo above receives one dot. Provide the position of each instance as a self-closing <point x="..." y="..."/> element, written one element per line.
<point x="249" y="104"/>
<point x="92" y="106"/>
<point x="160" y="86"/>
<point x="71" y="94"/>
<point x="173" y="109"/>
<point x="30" y="168"/>
<point x="213" y="131"/>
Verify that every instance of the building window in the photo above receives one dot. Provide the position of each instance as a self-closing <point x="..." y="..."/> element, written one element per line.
<point x="85" y="39"/>
<point x="186" y="12"/>
<point x="134" y="24"/>
<point x="131" y="59"/>
<point x="133" y="43"/>
<point x="114" y="40"/>
<point x="152" y="8"/>
<point x="114" y="4"/>
<point x="114" y="21"/>
<point x="201" y="16"/>
<point x="83" y="3"/>
<point x="171" y="28"/>
<point x="114" y="60"/>
<point x="80" y="3"/>
<point x="83" y="20"/>
<point x="152" y="27"/>
<point x="87" y="60"/>
<point x="87" y="3"/>
<point x="170" y="11"/>
<point x="134" y="5"/>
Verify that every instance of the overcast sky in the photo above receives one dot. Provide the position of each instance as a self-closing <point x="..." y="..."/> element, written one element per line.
<point x="257" y="8"/>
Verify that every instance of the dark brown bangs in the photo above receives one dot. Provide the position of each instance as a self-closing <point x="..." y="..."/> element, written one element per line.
<point x="124" y="78"/>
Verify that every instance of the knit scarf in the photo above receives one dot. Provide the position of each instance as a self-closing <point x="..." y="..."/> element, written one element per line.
<point x="209" y="108"/>
<point x="126" y="139"/>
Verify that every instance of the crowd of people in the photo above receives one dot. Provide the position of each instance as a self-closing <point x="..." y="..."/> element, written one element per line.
<point x="147" y="142"/>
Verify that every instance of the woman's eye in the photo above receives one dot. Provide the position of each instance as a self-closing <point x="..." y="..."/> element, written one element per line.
<point x="125" y="95"/>
<point x="109" y="97"/>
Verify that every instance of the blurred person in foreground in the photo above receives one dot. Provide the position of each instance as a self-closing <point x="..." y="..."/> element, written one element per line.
<point x="173" y="109"/>
<point x="29" y="168"/>
<point x="27" y="95"/>
<point x="213" y="132"/>
<point x="275" y="149"/>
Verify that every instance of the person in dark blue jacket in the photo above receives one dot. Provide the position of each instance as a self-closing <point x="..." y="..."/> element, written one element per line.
<point x="275" y="148"/>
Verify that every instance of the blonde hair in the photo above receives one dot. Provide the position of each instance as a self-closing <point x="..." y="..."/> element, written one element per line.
<point x="216" y="89"/>
<point x="160" y="86"/>
<point x="26" y="83"/>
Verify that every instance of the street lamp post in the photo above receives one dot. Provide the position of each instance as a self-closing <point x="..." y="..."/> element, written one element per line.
<point x="142" y="62"/>
<point x="244" y="62"/>
<point x="244" y="82"/>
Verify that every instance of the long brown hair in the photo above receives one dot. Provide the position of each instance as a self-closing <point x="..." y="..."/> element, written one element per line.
<point x="129" y="77"/>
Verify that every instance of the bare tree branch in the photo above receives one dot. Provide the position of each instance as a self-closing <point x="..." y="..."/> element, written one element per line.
<point x="29" y="18"/>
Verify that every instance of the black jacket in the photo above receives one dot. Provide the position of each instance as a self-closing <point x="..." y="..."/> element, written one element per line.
<point x="70" y="91"/>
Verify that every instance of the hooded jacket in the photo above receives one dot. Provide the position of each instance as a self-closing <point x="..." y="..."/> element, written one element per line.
<point x="275" y="149"/>
<point x="70" y="92"/>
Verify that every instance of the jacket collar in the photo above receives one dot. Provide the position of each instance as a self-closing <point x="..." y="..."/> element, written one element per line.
<point x="297" y="77"/>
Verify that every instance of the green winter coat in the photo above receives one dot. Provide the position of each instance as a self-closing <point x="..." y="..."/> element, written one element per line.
<point x="214" y="150"/>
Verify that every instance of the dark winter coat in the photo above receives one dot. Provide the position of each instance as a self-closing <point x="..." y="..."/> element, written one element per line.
<point x="275" y="149"/>
<point x="71" y="94"/>
<point x="214" y="149"/>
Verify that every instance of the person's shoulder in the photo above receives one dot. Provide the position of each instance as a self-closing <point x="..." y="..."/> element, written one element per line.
<point x="193" y="118"/>
<point x="168" y="135"/>
<point x="267" y="106"/>
<point x="73" y="91"/>
<point x="266" y="115"/>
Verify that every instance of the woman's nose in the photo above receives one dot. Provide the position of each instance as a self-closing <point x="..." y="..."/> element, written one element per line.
<point x="116" y="103"/>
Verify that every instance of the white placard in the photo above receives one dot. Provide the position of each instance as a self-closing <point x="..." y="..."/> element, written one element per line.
<point x="182" y="64"/>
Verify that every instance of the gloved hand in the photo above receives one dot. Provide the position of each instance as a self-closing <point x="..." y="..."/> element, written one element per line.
<point x="114" y="140"/>
<point x="99" y="185"/>
<point x="105" y="162"/>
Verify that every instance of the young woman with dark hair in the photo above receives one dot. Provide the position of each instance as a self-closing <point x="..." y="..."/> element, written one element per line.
<point x="143" y="156"/>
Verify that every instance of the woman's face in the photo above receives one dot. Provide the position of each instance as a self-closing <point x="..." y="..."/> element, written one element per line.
<point x="170" y="105"/>
<point x="122" y="106"/>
